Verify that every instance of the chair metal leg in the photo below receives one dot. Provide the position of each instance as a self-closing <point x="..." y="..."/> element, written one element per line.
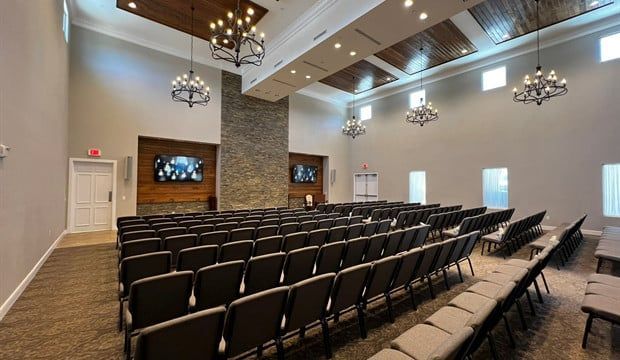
<point x="530" y="302"/>
<point x="470" y="266"/>
<point x="509" y="331"/>
<point x="326" y="340"/>
<point x="259" y="351"/>
<point x="120" y="315"/>
<point x="458" y="268"/>
<point x="540" y="299"/>
<point x="410" y="289"/>
<point x="445" y="279"/>
<point x="491" y="341"/>
<point x="542" y="275"/>
<point x="280" y="348"/>
<point x="430" y="286"/>
<point x="362" y="322"/>
<point x="521" y="314"/>
<point x="388" y="302"/>
<point x="599" y="265"/>
<point x="586" y="332"/>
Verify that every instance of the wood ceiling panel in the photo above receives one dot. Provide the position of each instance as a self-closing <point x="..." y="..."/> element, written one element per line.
<point x="504" y="20"/>
<point x="177" y="13"/>
<point x="361" y="76"/>
<point x="441" y="43"/>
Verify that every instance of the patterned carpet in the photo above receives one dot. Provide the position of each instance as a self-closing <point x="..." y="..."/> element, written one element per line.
<point x="69" y="311"/>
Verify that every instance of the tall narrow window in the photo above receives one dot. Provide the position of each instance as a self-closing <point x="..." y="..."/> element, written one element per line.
<point x="417" y="187"/>
<point x="495" y="188"/>
<point x="494" y="79"/>
<point x="611" y="190"/>
<point x="366" y="113"/>
<point x="610" y="47"/>
<point x="417" y="98"/>
<point x="65" y="21"/>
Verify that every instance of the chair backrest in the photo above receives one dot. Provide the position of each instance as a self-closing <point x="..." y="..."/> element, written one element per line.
<point x="266" y="231"/>
<point x="246" y="328"/>
<point x="317" y="237"/>
<point x="304" y="218"/>
<point x="288" y="228"/>
<point x="167" y="232"/>
<point x="214" y="221"/>
<point x="189" y="223"/>
<point x="406" y="241"/>
<point x="249" y="224"/>
<point x="195" y="258"/>
<point x="392" y="244"/>
<point x="241" y="234"/>
<point x="325" y="224"/>
<point x="427" y="264"/>
<point x="461" y="241"/>
<point x="354" y="231"/>
<point x="341" y="221"/>
<point x="164" y="225"/>
<point x="294" y="241"/>
<point x="356" y="220"/>
<point x="307" y="301"/>
<point x="407" y="267"/>
<point x="200" y="229"/>
<point x="370" y="228"/>
<point x="376" y="243"/>
<point x="128" y="220"/>
<point x="329" y="258"/>
<point x="275" y="221"/>
<point x="444" y="253"/>
<point x="348" y="287"/>
<point x="384" y="226"/>
<point x="131" y="228"/>
<point x="263" y="272"/>
<point x="137" y="235"/>
<point x="174" y="244"/>
<point x="288" y="220"/>
<point x="190" y="337"/>
<point x="238" y="250"/>
<point x="158" y="298"/>
<point x="137" y="267"/>
<point x="336" y="234"/>
<point x="308" y="225"/>
<point x="299" y="264"/>
<point x="218" y="284"/>
<point x="139" y="247"/>
<point x="380" y="277"/>
<point x="158" y="220"/>
<point x="267" y="245"/>
<point x="213" y="238"/>
<point x="401" y="218"/>
<point x="354" y="251"/>
<point x="226" y="226"/>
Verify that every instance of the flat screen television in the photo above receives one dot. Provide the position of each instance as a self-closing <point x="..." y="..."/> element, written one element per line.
<point x="305" y="174"/>
<point x="177" y="168"/>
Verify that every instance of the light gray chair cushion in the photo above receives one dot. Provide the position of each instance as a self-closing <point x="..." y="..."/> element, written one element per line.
<point x="604" y="279"/>
<point x="602" y="306"/>
<point x="428" y="342"/>
<point x="389" y="354"/>
<point x="603" y="290"/>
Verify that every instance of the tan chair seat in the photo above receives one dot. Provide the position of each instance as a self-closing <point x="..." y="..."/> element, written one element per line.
<point x="603" y="290"/>
<point x="602" y="306"/>
<point x="604" y="279"/>
<point x="389" y="354"/>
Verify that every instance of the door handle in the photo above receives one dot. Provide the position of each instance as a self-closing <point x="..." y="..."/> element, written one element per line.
<point x="109" y="196"/>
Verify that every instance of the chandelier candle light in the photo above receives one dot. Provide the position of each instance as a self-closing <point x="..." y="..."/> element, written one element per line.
<point x="422" y="113"/>
<point x="236" y="42"/>
<point x="190" y="89"/>
<point x="539" y="88"/>
<point x="354" y="128"/>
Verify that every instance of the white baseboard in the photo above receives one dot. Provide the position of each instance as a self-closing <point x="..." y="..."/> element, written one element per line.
<point x="584" y="231"/>
<point x="6" y="306"/>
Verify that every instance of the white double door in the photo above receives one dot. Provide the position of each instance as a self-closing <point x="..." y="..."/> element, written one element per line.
<point x="91" y="196"/>
<point x="366" y="187"/>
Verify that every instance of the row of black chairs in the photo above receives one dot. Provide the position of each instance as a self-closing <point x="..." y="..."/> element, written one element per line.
<point x="515" y="234"/>
<point x="573" y="237"/>
<point x="443" y="221"/>
<point x="485" y="223"/>
<point x="457" y="330"/>
<point x="388" y="211"/>
<point x="326" y="208"/>
<point x="352" y="288"/>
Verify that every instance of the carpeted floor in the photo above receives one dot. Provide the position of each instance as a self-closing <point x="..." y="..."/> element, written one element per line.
<point x="69" y="311"/>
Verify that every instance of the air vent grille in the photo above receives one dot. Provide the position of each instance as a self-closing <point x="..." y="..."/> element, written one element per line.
<point x="372" y="39"/>
<point x="315" y="66"/>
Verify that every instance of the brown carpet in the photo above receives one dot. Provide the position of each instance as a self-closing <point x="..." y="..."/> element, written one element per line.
<point x="69" y="311"/>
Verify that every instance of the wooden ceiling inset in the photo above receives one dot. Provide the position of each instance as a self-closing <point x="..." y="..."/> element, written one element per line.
<point x="361" y="76"/>
<point x="504" y="20"/>
<point x="177" y="13"/>
<point x="441" y="43"/>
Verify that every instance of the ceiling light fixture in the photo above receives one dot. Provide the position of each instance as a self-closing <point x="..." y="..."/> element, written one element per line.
<point x="132" y="5"/>
<point x="293" y="71"/>
<point x="190" y="89"/>
<point x="464" y="51"/>
<point x="237" y="42"/>
<point x="337" y="45"/>
<point x="506" y="36"/>
<point x="352" y="53"/>
<point x="308" y="77"/>
<point x="538" y="89"/>
<point x="422" y="113"/>
<point x="423" y="16"/>
<point x="354" y="127"/>
<point x="408" y="3"/>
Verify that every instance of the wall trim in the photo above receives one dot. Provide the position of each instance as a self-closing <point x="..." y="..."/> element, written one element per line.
<point x="585" y="231"/>
<point x="6" y="306"/>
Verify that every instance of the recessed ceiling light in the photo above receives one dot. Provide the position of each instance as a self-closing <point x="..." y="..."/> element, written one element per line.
<point x="423" y="16"/>
<point x="408" y="3"/>
<point x="594" y="3"/>
<point x="308" y="76"/>
<point x="132" y="5"/>
<point x="506" y="36"/>
<point x="464" y="51"/>
<point x="337" y="45"/>
<point x="356" y="90"/>
<point x="352" y="53"/>
<point x="293" y="71"/>
<point x="389" y="78"/>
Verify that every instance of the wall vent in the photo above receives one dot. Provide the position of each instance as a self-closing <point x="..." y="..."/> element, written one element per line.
<point x="320" y="34"/>
<point x="278" y="63"/>
<point x="285" y="83"/>
<point x="315" y="66"/>
<point x="253" y="81"/>
<point x="372" y="39"/>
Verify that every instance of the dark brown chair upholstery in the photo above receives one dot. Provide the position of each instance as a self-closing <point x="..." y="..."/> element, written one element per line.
<point x="308" y="225"/>
<point x="174" y="244"/>
<point x="266" y="231"/>
<point x="392" y="243"/>
<point x="226" y="226"/>
<point x="200" y="229"/>
<point x="299" y="264"/>
<point x="288" y="228"/>
<point x="195" y="258"/>
<point x="190" y="337"/>
<point x="138" y="235"/>
<point x="407" y="272"/>
<point x="213" y="238"/>
<point x="370" y="228"/>
<point x="239" y="250"/>
<point x="384" y="226"/>
<point x="328" y="260"/>
<point x="263" y="273"/>
<point x="317" y="237"/>
<point x="347" y="293"/>
<point x="376" y="243"/>
<point x="294" y="241"/>
<point x="379" y="280"/>
<point x="175" y="231"/>
<point x="336" y="234"/>
<point x="325" y="224"/>
<point x="163" y="225"/>
<point x="354" y="251"/>
<point x="267" y="245"/>
<point x="341" y="221"/>
<point x="241" y="234"/>
<point x="354" y="231"/>
<point x="139" y="247"/>
<point x="218" y="284"/>
<point x="189" y="223"/>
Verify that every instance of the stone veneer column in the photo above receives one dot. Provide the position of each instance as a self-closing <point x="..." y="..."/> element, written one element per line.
<point x="254" y="149"/>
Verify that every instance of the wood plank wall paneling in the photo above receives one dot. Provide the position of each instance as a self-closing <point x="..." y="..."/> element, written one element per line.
<point x="359" y="77"/>
<point x="152" y="192"/>
<point x="301" y="190"/>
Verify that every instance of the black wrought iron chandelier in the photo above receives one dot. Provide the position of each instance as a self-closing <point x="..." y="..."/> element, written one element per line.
<point x="354" y="127"/>
<point x="236" y="42"/>
<point x="423" y="113"/>
<point x="190" y="88"/>
<point x="538" y="89"/>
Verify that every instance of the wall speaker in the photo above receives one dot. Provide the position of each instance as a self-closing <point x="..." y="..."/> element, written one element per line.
<point x="128" y="166"/>
<point x="332" y="176"/>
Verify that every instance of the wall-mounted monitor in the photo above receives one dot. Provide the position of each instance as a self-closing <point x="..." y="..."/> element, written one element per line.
<point x="305" y="174"/>
<point x="178" y="168"/>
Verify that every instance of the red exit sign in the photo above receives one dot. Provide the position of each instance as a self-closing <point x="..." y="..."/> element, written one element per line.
<point x="94" y="152"/>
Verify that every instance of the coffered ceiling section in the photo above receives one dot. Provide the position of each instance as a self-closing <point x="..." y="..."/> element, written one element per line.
<point x="504" y="20"/>
<point x="437" y="45"/>
<point x="359" y="77"/>
<point x="177" y="13"/>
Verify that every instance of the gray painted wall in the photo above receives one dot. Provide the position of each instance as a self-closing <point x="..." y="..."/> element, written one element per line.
<point x="553" y="153"/>
<point x="33" y="121"/>
<point x="119" y="90"/>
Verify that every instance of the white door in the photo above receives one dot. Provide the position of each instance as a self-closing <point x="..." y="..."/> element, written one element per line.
<point x="92" y="196"/>
<point x="366" y="187"/>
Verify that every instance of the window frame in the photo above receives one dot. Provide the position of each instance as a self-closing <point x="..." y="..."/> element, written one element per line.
<point x="604" y="193"/>
<point x="413" y="105"/>
<point x="369" y="107"/>
<point x="66" y="23"/>
<point x="495" y="83"/>
<point x="615" y="40"/>
<point x="488" y="202"/>
<point x="423" y="199"/>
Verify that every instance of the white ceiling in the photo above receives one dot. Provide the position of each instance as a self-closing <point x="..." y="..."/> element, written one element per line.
<point x="288" y="17"/>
